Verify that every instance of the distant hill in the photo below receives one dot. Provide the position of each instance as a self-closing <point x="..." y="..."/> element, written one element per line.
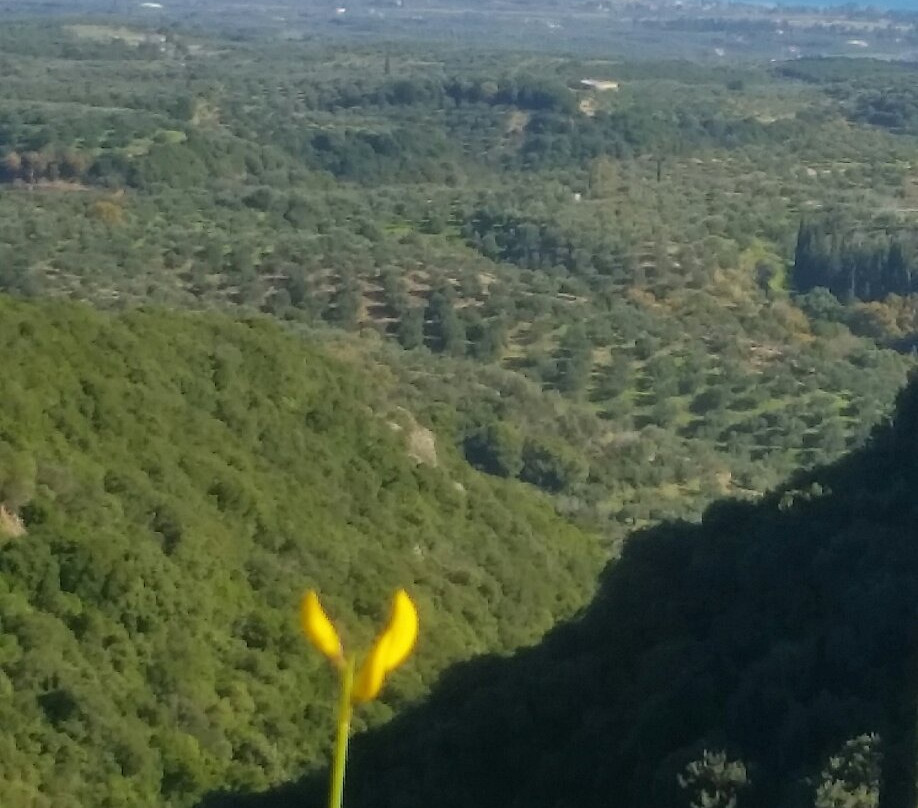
<point x="170" y="485"/>
<point x="766" y="656"/>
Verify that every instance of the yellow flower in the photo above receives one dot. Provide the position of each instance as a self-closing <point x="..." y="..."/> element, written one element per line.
<point x="319" y="629"/>
<point x="390" y="650"/>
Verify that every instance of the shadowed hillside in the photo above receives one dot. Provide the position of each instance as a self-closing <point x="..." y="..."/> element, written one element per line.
<point x="781" y="634"/>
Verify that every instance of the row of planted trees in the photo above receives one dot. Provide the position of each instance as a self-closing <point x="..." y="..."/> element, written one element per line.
<point x="34" y="166"/>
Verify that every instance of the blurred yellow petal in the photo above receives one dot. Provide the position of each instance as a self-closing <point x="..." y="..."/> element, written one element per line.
<point x="319" y="629"/>
<point x="369" y="679"/>
<point x="390" y="650"/>
<point x="402" y="631"/>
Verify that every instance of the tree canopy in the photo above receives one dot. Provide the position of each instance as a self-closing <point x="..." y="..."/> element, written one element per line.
<point x="180" y="481"/>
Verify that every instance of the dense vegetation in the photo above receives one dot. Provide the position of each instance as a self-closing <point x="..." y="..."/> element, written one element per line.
<point x="178" y="482"/>
<point x="604" y="269"/>
<point x="765" y="656"/>
<point x="854" y="265"/>
<point x="616" y="291"/>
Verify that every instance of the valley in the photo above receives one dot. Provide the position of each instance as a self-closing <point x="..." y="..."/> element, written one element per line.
<point x="591" y="339"/>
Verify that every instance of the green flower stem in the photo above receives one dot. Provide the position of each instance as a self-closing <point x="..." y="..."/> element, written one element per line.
<point x="344" y="729"/>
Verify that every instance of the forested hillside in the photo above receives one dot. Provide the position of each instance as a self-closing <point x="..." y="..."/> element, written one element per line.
<point x="169" y="486"/>
<point x="765" y="656"/>
<point x="287" y="306"/>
